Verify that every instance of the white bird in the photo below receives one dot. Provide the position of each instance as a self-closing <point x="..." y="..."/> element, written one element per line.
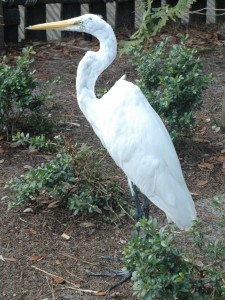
<point x="128" y="126"/>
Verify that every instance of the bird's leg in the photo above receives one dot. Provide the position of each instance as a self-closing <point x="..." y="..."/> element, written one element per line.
<point x="146" y="207"/>
<point x="139" y="212"/>
<point x="139" y="215"/>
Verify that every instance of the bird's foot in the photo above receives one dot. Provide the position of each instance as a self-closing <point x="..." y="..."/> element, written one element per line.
<point x="113" y="273"/>
<point x="126" y="276"/>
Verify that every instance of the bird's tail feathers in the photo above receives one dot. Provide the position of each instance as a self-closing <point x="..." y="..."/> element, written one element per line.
<point x="175" y="200"/>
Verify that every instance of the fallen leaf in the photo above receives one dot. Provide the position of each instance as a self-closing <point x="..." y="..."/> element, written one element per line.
<point x="2" y="258"/>
<point x="99" y="293"/>
<point x="200" y="140"/>
<point x="28" y="210"/>
<point x="122" y="241"/>
<point x="57" y="262"/>
<point x="202" y="182"/>
<point x="206" y="166"/>
<point x="13" y="259"/>
<point x="65" y="236"/>
<point x="33" y="150"/>
<point x="35" y="258"/>
<point x="74" y="124"/>
<point x="2" y="161"/>
<point x="209" y="165"/>
<point x="27" y="167"/>
<point x="33" y="231"/>
<point x="199" y="263"/>
<point x="53" y="204"/>
<point x="221" y="158"/>
<point x="59" y="280"/>
<point x="116" y="295"/>
<point x="194" y="194"/>
<point x="217" y="129"/>
<point x="86" y="224"/>
<point x="2" y="150"/>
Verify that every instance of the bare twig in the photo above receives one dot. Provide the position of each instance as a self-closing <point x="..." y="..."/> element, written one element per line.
<point x="73" y="286"/>
<point x="81" y="279"/>
<point x="92" y="292"/>
<point x="51" y="288"/>
<point x="126" y="213"/>
<point x="54" y="276"/>
<point x="74" y="258"/>
<point x="223" y="110"/>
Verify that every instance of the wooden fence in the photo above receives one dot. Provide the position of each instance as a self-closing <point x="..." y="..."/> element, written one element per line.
<point x="34" y="11"/>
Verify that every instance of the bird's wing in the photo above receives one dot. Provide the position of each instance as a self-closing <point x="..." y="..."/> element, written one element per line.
<point x="139" y="143"/>
<point x="129" y="126"/>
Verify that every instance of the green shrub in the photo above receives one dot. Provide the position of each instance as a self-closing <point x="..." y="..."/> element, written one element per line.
<point x="39" y="142"/>
<point x="21" y="100"/>
<point x="74" y="177"/>
<point x="161" y="269"/>
<point x="171" y="79"/>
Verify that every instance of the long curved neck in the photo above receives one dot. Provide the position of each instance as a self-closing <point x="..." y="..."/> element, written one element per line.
<point x="93" y="64"/>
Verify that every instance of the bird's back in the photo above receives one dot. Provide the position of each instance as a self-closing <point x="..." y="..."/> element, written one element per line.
<point x="139" y="143"/>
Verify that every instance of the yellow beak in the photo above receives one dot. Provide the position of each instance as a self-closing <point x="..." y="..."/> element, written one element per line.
<point x="60" y="25"/>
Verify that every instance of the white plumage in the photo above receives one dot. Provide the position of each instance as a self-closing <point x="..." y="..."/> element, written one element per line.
<point x="128" y="126"/>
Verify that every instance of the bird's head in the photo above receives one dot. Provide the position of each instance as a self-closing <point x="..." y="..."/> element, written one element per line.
<point x="88" y="23"/>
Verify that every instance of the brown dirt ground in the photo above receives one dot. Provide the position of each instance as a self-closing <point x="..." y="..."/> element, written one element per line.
<point x="31" y="244"/>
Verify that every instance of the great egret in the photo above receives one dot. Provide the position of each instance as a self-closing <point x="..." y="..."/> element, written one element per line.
<point x="128" y="126"/>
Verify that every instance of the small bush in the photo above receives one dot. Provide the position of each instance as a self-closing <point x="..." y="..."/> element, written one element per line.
<point x="171" y="79"/>
<point x="163" y="270"/>
<point x="39" y="142"/>
<point x="159" y="270"/>
<point x="21" y="101"/>
<point x="74" y="177"/>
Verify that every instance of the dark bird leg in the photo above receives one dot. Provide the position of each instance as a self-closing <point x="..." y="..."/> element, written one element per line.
<point x="146" y="207"/>
<point x="139" y="213"/>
